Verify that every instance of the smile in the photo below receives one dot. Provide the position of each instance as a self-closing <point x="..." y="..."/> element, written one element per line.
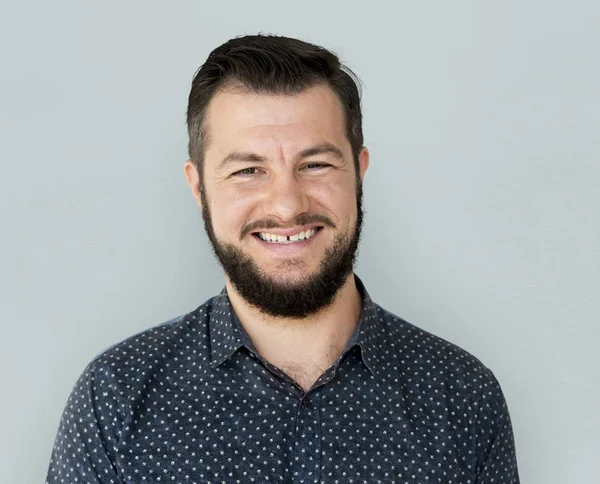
<point x="287" y="239"/>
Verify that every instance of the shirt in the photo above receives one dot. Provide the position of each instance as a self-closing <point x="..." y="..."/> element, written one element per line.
<point x="192" y="401"/>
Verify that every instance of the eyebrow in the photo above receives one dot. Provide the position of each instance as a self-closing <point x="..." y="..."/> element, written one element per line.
<point x="320" y="149"/>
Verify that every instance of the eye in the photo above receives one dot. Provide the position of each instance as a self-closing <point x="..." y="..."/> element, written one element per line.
<point x="246" y="172"/>
<point x="316" y="166"/>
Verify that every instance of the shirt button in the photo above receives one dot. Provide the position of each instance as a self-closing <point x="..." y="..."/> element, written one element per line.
<point x="306" y="402"/>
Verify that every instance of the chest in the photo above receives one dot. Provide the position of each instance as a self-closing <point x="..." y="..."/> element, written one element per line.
<point x="263" y="430"/>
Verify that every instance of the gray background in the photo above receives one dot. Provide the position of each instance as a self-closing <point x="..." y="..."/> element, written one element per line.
<point x="482" y="196"/>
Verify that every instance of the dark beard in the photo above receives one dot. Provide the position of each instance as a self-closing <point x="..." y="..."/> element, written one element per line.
<point x="297" y="299"/>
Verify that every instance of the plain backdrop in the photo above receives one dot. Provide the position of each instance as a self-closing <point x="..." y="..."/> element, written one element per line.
<point x="482" y="198"/>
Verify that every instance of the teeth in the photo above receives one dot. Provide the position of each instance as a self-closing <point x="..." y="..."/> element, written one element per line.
<point x="282" y="239"/>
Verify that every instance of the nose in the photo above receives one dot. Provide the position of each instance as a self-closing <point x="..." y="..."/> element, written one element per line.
<point x="286" y="197"/>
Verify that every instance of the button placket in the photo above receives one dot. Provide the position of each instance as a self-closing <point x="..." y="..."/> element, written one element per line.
<point x="307" y="445"/>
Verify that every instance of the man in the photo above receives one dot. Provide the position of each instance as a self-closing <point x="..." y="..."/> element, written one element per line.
<point x="291" y="374"/>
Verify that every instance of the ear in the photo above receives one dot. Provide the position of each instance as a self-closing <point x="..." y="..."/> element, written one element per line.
<point x="363" y="162"/>
<point x="193" y="179"/>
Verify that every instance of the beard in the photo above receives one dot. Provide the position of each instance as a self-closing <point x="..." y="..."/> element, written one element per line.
<point x="298" y="299"/>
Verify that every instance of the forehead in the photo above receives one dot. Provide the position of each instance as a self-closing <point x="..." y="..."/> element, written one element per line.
<point x="236" y="117"/>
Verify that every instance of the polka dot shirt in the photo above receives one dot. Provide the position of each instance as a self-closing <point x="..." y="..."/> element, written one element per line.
<point x="192" y="401"/>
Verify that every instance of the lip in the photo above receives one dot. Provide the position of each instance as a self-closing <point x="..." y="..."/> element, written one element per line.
<point x="288" y="232"/>
<point x="283" y="249"/>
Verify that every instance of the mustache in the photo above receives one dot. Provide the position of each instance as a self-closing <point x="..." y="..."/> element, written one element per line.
<point x="302" y="219"/>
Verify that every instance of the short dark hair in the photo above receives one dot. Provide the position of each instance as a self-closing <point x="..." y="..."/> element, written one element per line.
<point x="271" y="64"/>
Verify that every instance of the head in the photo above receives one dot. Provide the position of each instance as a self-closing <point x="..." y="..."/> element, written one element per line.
<point x="276" y="165"/>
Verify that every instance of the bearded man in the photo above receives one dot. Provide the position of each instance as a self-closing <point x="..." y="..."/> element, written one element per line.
<point x="292" y="373"/>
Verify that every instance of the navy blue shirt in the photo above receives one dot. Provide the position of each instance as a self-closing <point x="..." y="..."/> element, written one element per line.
<point x="192" y="401"/>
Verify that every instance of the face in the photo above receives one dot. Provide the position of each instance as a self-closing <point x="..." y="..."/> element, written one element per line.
<point x="280" y="197"/>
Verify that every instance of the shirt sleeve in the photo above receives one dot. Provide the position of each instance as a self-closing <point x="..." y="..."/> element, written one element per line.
<point x="85" y="447"/>
<point x="496" y="455"/>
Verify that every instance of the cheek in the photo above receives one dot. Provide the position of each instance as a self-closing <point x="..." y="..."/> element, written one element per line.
<point x="230" y="210"/>
<point x="336" y="198"/>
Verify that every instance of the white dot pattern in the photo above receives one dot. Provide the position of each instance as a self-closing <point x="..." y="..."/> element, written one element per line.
<point x="192" y="401"/>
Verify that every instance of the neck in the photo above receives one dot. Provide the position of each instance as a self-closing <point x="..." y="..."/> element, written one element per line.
<point x="303" y="348"/>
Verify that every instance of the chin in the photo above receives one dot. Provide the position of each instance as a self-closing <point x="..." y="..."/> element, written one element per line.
<point x="293" y="267"/>
<point x="286" y="274"/>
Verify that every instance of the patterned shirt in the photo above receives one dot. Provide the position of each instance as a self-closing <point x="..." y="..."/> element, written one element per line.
<point x="192" y="401"/>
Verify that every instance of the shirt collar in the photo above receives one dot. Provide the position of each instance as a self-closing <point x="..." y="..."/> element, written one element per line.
<point x="225" y="337"/>
<point x="227" y="334"/>
<point x="366" y="335"/>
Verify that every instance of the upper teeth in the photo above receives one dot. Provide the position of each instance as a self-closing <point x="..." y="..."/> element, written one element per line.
<point x="283" y="239"/>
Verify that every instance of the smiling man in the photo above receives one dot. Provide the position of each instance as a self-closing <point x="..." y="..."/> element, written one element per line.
<point x="292" y="373"/>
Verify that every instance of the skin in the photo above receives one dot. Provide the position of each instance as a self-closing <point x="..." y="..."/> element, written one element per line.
<point x="249" y="192"/>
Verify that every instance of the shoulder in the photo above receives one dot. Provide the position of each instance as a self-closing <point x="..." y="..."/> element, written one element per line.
<point x="431" y="357"/>
<point x="126" y="366"/>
